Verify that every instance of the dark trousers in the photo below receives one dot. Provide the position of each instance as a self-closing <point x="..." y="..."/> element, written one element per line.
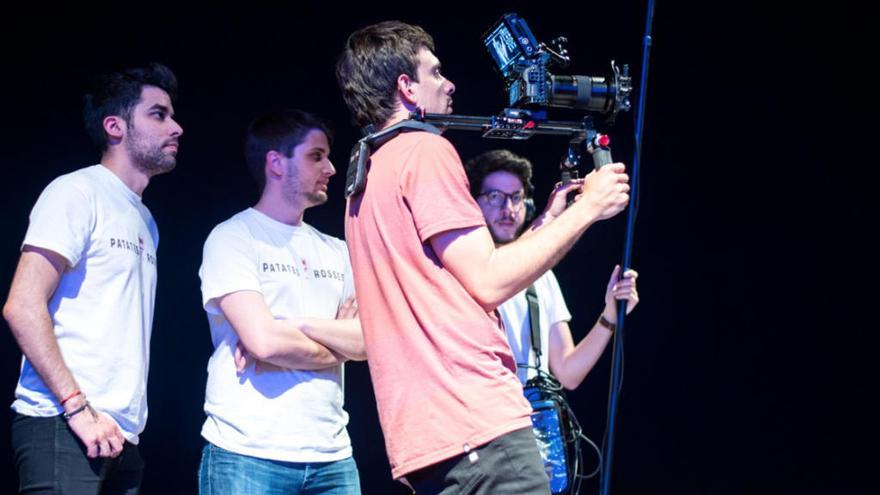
<point x="510" y="464"/>
<point x="51" y="460"/>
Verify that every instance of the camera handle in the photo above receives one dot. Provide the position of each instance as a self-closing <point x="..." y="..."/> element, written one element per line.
<point x="598" y="148"/>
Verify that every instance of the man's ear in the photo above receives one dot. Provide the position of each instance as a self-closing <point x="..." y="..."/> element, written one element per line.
<point x="405" y="89"/>
<point x="114" y="127"/>
<point x="274" y="167"/>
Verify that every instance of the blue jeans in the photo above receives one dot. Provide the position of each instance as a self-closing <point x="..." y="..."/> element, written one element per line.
<point x="223" y="472"/>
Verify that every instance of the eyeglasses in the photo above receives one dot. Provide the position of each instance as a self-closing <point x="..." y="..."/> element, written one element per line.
<point x="498" y="198"/>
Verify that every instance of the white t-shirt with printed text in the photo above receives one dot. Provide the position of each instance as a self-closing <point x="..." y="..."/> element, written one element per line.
<point x="102" y="310"/>
<point x="290" y="415"/>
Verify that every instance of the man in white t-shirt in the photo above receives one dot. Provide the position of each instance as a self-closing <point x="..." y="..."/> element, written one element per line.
<point x="81" y="302"/>
<point x="279" y="294"/>
<point x="501" y="183"/>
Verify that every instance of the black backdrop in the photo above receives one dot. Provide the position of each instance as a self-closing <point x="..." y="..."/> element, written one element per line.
<point x="749" y="363"/>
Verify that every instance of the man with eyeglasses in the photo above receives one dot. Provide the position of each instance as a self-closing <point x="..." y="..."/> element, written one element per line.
<point x="501" y="183"/>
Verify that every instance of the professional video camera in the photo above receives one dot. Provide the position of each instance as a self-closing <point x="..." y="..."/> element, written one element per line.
<point x="524" y="64"/>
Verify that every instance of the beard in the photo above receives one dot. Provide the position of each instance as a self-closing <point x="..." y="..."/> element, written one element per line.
<point x="148" y="158"/>
<point x="505" y="236"/>
<point x="293" y="191"/>
<point x="501" y="240"/>
<point x="315" y="198"/>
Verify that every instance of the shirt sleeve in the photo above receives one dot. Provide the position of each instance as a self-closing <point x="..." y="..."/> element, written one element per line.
<point x="62" y="220"/>
<point x="229" y="265"/>
<point x="348" y="284"/>
<point x="556" y="309"/>
<point x="436" y="189"/>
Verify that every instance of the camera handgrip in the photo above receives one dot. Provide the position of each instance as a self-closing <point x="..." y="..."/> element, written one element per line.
<point x="599" y="149"/>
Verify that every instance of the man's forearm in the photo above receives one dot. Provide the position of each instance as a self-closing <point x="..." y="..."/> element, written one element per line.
<point x="343" y="335"/>
<point x="276" y="341"/>
<point x="32" y="328"/>
<point x="571" y="364"/>
<point x="492" y="275"/>
<point x="497" y="274"/>
<point x="538" y="252"/>
<point x="285" y="345"/>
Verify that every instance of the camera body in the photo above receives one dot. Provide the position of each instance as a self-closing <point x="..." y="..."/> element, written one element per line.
<point x="524" y="64"/>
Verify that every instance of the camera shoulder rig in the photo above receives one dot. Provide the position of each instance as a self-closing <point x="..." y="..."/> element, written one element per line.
<point x="359" y="161"/>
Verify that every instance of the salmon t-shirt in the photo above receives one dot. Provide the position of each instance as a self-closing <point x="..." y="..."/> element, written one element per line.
<point x="443" y="373"/>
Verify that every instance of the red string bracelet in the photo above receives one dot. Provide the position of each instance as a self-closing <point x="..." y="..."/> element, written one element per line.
<point x="78" y="392"/>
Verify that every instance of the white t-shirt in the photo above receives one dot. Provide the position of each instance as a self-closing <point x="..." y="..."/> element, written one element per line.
<point x="102" y="310"/>
<point x="515" y="315"/>
<point x="291" y="415"/>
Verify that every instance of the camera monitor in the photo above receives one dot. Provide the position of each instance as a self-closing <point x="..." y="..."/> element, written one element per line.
<point x="509" y="41"/>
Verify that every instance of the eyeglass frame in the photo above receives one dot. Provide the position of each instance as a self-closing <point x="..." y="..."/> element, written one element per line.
<point x="515" y="204"/>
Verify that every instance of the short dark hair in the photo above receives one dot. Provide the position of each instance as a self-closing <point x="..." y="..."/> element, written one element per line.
<point x="281" y="131"/>
<point x="480" y="166"/>
<point x="117" y="93"/>
<point x="373" y="59"/>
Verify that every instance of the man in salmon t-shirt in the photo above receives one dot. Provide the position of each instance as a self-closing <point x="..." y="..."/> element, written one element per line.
<point x="429" y="278"/>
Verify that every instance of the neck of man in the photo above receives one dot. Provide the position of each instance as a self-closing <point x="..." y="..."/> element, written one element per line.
<point x="275" y="207"/>
<point x="120" y="164"/>
<point x="402" y="113"/>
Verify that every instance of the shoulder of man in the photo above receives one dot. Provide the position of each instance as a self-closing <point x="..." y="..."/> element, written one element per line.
<point x="420" y="147"/>
<point x="236" y="225"/>
<point x="414" y="139"/>
<point x="82" y="180"/>
<point x="424" y="138"/>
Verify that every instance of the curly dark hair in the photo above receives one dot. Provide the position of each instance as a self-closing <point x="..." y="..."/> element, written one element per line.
<point x="480" y="166"/>
<point x="373" y="59"/>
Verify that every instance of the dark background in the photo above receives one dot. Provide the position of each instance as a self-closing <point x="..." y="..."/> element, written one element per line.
<point x="750" y="362"/>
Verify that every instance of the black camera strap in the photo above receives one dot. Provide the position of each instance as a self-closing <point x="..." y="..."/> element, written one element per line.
<point x="534" y="322"/>
<point x="359" y="161"/>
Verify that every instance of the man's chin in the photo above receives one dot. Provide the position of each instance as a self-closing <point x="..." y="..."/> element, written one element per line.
<point x="317" y="198"/>
<point x="166" y="165"/>
<point x="503" y="237"/>
<point x="163" y="166"/>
